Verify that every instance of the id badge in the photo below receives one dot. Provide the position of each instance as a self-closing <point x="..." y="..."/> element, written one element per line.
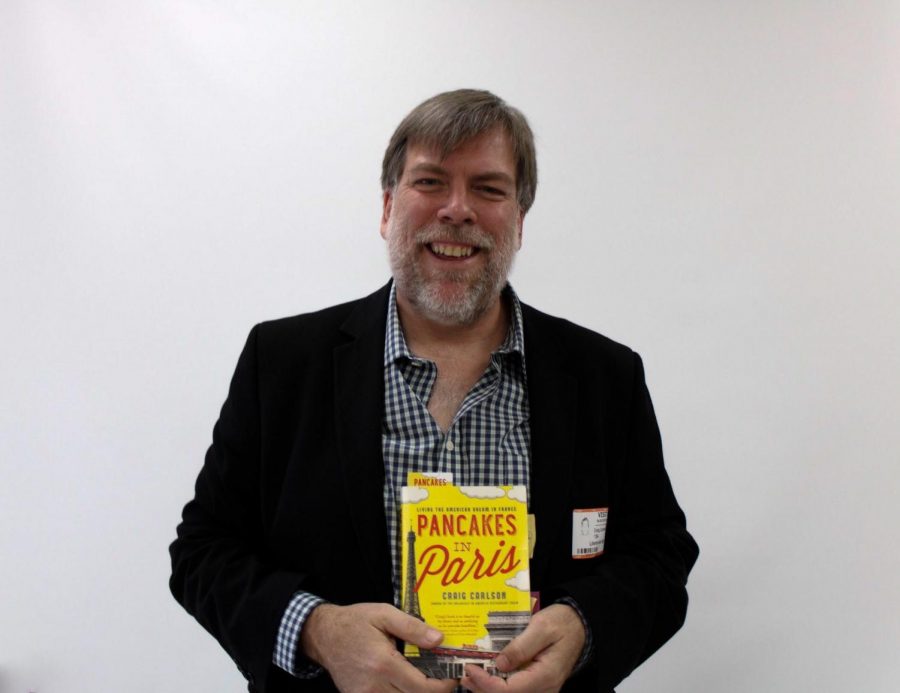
<point x="588" y="532"/>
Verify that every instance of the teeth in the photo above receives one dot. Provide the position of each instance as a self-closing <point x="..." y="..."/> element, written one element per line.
<point x="452" y="250"/>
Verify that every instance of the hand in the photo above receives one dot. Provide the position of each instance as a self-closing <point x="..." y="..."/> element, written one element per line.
<point x="355" y="644"/>
<point x="548" y="649"/>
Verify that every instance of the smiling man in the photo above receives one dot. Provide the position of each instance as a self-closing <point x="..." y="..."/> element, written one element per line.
<point x="453" y="225"/>
<point x="289" y="552"/>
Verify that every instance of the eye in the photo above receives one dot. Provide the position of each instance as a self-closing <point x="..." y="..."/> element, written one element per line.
<point x="491" y="191"/>
<point x="426" y="182"/>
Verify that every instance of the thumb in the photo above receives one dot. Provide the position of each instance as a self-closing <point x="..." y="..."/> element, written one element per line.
<point x="522" y="649"/>
<point x="412" y="630"/>
<point x="511" y="657"/>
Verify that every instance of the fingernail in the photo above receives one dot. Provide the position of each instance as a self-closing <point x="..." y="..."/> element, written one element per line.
<point x="502" y="663"/>
<point x="433" y="636"/>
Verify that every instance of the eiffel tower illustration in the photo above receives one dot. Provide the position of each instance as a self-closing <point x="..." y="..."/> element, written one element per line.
<point x="410" y="596"/>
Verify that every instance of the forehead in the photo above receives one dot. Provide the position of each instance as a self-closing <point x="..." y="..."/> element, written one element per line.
<point x="489" y="151"/>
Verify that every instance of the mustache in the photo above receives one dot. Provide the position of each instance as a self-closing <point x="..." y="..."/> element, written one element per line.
<point x="465" y="235"/>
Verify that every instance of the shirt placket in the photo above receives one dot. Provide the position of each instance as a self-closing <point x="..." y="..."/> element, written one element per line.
<point x="455" y="455"/>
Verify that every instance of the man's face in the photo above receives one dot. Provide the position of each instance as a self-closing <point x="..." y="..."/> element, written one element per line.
<point x="453" y="227"/>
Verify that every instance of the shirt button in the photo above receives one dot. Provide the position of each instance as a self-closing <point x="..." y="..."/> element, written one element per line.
<point x="450" y="445"/>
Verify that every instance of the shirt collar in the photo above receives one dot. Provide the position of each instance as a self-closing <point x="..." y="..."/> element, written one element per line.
<point x="395" y="342"/>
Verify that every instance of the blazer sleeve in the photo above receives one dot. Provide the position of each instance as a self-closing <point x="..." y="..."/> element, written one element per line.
<point x="220" y="571"/>
<point x="634" y="596"/>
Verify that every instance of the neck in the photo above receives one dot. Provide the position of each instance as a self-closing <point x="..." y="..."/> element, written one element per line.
<point x="430" y="339"/>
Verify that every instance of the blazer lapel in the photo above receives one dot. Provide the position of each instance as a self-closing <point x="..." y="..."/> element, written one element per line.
<point x="359" y="402"/>
<point x="552" y="399"/>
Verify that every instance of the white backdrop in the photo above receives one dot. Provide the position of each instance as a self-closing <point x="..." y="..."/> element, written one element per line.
<point x="719" y="190"/>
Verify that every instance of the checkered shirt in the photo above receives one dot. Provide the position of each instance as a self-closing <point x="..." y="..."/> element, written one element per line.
<point x="488" y="444"/>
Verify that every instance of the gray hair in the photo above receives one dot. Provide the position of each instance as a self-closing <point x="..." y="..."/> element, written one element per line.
<point x="450" y="119"/>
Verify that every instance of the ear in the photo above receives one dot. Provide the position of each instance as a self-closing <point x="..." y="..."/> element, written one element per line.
<point x="387" y="200"/>
<point x="519" y="224"/>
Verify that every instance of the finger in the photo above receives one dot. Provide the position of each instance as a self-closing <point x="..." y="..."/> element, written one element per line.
<point x="425" y="685"/>
<point x="409" y="628"/>
<point x="531" y="680"/>
<point x="479" y="681"/>
<point x="546" y="628"/>
<point x="443" y="685"/>
<point x="410" y="680"/>
<point x="523" y="649"/>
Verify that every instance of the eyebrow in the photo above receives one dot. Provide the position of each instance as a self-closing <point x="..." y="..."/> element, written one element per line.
<point x="481" y="177"/>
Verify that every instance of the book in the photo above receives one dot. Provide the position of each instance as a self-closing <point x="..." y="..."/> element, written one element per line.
<point x="464" y="570"/>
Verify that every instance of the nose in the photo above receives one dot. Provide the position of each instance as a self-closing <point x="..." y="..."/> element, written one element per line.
<point x="457" y="208"/>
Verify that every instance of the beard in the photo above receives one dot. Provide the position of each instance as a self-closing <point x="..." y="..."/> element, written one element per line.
<point x="451" y="296"/>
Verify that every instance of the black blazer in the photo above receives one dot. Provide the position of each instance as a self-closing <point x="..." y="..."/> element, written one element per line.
<point x="290" y="495"/>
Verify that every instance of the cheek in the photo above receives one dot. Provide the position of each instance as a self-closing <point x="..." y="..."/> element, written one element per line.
<point x="500" y="221"/>
<point x="410" y="206"/>
<point x="506" y="232"/>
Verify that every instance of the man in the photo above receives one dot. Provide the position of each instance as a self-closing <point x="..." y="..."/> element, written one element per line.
<point x="288" y="554"/>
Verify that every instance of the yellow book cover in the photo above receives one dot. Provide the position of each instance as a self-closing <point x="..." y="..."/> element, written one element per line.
<point x="464" y="569"/>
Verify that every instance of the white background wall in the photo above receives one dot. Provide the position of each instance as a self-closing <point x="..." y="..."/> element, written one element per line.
<point x="719" y="190"/>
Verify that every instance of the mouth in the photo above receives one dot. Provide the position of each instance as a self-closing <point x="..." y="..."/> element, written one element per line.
<point x="452" y="251"/>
